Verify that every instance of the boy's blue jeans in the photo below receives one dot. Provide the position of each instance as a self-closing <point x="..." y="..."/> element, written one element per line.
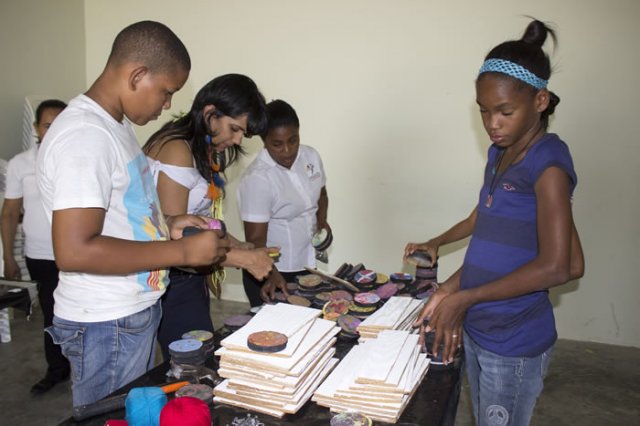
<point x="105" y="356"/>
<point x="504" y="390"/>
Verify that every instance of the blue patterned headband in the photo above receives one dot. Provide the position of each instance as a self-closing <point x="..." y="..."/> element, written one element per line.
<point x="514" y="70"/>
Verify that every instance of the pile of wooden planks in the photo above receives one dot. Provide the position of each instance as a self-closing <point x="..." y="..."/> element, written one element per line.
<point x="376" y="378"/>
<point x="281" y="382"/>
<point x="398" y="313"/>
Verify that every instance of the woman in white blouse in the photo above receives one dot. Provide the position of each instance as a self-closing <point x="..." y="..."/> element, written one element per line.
<point x="188" y="157"/>
<point x="283" y="201"/>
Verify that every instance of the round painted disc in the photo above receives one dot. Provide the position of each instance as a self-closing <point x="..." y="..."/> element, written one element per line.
<point x="349" y="323"/>
<point x="185" y="346"/>
<point x="267" y="341"/>
<point x="365" y="276"/>
<point x="382" y="279"/>
<point x="237" y="321"/>
<point x="386" y="291"/>
<point x="299" y="301"/>
<point x="339" y="306"/>
<point x="419" y="258"/>
<point x="366" y="299"/>
<point x="401" y="277"/>
<point x="340" y="294"/>
<point x="361" y="309"/>
<point x="309" y="280"/>
<point x="201" y="335"/>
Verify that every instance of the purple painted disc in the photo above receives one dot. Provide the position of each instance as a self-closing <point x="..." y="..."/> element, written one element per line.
<point x="366" y="299"/>
<point x="236" y="321"/>
<point x="386" y="291"/>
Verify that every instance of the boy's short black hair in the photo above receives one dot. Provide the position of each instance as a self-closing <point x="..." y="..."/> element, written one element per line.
<point x="49" y="103"/>
<point x="153" y="44"/>
<point x="280" y="114"/>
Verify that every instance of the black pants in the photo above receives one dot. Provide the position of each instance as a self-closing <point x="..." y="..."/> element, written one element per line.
<point x="45" y="273"/>
<point x="252" y="286"/>
<point x="185" y="307"/>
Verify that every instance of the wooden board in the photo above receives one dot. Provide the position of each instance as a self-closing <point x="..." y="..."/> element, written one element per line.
<point x="291" y="320"/>
<point x="335" y="279"/>
<point x="319" y="339"/>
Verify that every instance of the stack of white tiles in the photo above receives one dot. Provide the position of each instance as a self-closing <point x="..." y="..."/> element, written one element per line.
<point x="282" y="382"/>
<point x="376" y="378"/>
<point x="398" y="313"/>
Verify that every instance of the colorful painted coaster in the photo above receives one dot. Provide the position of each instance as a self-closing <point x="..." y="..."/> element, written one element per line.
<point x="332" y="316"/>
<point x="382" y="279"/>
<point x="350" y="419"/>
<point x="419" y="258"/>
<point x="187" y="351"/>
<point x="235" y="322"/>
<point x="366" y="299"/>
<point x="322" y="239"/>
<point x="340" y="294"/>
<point x="430" y="274"/>
<point x="386" y="291"/>
<point x="309" y="281"/>
<point x="360" y="310"/>
<point x="267" y="341"/>
<point x="291" y="287"/>
<point x="199" y="391"/>
<point x="340" y="306"/>
<point x="299" y="301"/>
<point x="401" y="277"/>
<point x="349" y="323"/>
<point x="324" y="296"/>
<point x="353" y="271"/>
<point x="365" y="276"/>
<point x="206" y="337"/>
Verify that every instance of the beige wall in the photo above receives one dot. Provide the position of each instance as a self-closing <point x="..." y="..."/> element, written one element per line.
<point x="42" y="49"/>
<point x="385" y="93"/>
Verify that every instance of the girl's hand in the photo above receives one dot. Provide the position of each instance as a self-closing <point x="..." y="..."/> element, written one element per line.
<point x="447" y="320"/>
<point x="275" y="281"/>
<point x="431" y="247"/>
<point x="433" y="302"/>
<point x="205" y="248"/>
<point x="259" y="263"/>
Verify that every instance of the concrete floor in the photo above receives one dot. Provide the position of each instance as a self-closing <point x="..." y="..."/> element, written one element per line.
<point x="588" y="383"/>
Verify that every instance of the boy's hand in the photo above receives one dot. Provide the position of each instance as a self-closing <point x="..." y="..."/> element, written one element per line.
<point x="177" y="223"/>
<point x="205" y="248"/>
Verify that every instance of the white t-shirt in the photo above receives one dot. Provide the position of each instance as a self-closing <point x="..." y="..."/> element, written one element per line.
<point x="190" y="178"/>
<point x="21" y="183"/>
<point x="90" y="160"/>
<point x="288" y="200"/>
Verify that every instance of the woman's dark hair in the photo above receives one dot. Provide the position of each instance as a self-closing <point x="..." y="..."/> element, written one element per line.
<point x="527" y="52"/>
<point x="280" y="114"/>
<point x="232" y="95"/>
<point x="49" y="103"/>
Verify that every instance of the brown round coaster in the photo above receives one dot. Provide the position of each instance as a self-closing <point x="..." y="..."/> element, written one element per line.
<point x="299" y="301"/>
<point x="309" y="281"/>
<point x="267" y="341"/>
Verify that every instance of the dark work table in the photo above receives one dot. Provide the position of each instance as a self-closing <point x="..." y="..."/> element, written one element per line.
<point x="434" y="402"/>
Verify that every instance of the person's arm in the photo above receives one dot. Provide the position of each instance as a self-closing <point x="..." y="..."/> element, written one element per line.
<point x="323" y="207"/>
<point x="551" y="267"/>
<point x="10" y="217"/>
<point x="79" y="246"/>
<point x="256" y="233"/>
<point x="457" y="232"/>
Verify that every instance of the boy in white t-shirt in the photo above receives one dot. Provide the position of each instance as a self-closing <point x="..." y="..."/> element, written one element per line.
<point x="111" y="241"/>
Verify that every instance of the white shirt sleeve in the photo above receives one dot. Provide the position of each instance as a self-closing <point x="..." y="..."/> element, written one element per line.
<point x="14" y="180"/>
<point x="255" y="198"/>
<point x="81" y="166"/>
